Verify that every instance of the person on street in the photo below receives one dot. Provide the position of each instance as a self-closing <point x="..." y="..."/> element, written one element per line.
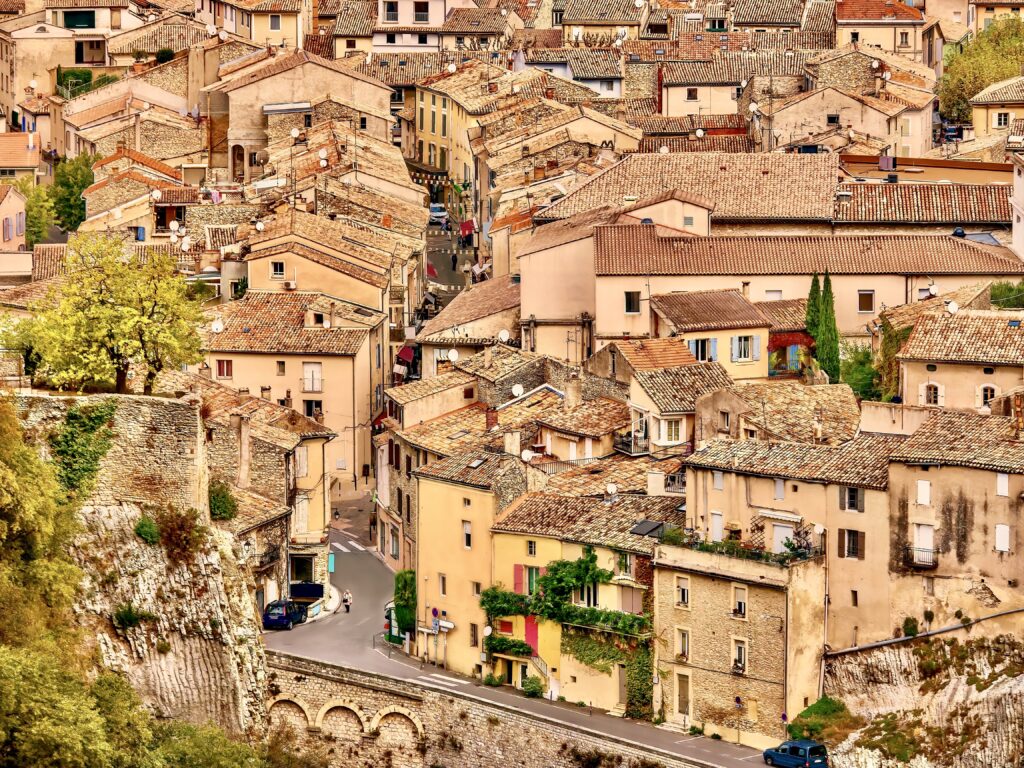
<point x="347" y="600"/>
<point x="455" y="260"/>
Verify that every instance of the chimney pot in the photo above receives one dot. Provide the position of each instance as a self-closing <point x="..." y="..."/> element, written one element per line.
<point x="490" y="418"/>
<point x="488" y="356"/>
<point x="513" y="440"/>
<point x="573" y="393"/>
<point x="655" y="483"/>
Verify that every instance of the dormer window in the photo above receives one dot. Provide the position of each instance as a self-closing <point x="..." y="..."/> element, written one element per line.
<point x="318" y="318"/>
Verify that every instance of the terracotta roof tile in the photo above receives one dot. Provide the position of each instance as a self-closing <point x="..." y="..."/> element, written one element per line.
<point x="965" y="439"/>
<point x="787" y="13"/>
<point x="706" y="143"/>
<point x="274" y="322"/>
<point x="733" y="68"/>
<point x="591" y="418"/>
<point x="15" y="151"/>
<point x="801" y="39"/>
<point x="1004" y="92"/>
<point x="477" y="468"/>
<point x="976" y="296"/>
<point x="708" y="310"/>
<point x="675" y="390"/>
<point x="601" y="12"/>
<point x="286" y="62"/>
<point x="139" y="158"/>
<point x="785" y="314"/>
<point x="415" y="390"/>
<point x="477" y="21"/>
<point x="628" y="473"/>
<point x="481" y="300"/>
<point x="636" y="250"/>
<point x="47" y="261"/>
<point x="497" y="363"/>
<point x="653" y="354"/>
<point x="405" y="69"/>
<point x="862" y="462"/>
<point x="877" y="10"/>
<point x="981" y="336"/>
<point x="355" y="18"/>
<point x="173" y="32"/>
<point x="959" y="204"/>
<point x="788" y="410"/>
<point x="321" y="45"/>
<point x="588" y="520"/>
<point x="684" y="124"/>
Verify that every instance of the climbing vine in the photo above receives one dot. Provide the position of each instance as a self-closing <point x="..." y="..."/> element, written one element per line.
<point x="80" y="443"/>
<point x="601" y="652"/>
<point x="592" y="650"/>
<point x="888" y="366"/>
<point x="507" y="645"/>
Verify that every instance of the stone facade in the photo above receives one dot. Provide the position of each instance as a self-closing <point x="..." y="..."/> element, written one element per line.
<point x="113" y="194"/>
<point x="171" y="77"/>
<point x="851" y="73"/>
<point x="641" y="80"/>
<point x="375" y="720"/>
<point x="198" y="216"/>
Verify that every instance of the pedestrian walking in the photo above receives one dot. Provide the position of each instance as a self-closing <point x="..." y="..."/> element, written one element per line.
<point x="455" y="261"/>
<point x="347" y="600"/>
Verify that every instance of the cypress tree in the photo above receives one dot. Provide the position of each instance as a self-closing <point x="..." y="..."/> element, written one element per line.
<point x="814" y="307"/>
<point x="828" y="334"/>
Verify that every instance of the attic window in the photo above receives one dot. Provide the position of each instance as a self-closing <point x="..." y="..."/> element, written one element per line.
<point x="659" y="51"/>
<point x="474" y="23"/>
<point x="698" y="38"/>
<point x="476" y="463"/>
<point x="457" y="435"/>
<point x="363" y="312"/>
<point x="634" y="57"/>
<point x="401" y="63"/>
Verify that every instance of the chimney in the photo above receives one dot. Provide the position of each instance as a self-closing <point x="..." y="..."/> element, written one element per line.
<point x="241" y="426"/>
<point x="491" y="418"/>
<point x="745" y="289"/>
<point x="488" y="356"/>
<point x="265" y="393"/>
<point x="205" y="371"/>
<point x="513" y="440"/>
<point x="287" y="398"/>
<point x="573" y="393"/>
<point x="655" y="483"/>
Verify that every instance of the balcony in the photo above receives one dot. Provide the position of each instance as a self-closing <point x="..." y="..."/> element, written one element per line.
<point x="269" y="557"/>
<point x="312" y="384"/>
<point x="921" y="559"/>
<point x="675" y="482"/>
<point x="391" y="16"/>
<point x="633" y="444"/>
<point x="422" y="17"/>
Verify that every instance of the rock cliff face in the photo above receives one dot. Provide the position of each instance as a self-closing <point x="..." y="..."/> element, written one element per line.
<point x="950" y="700"/>
<point x="184" y="631"/>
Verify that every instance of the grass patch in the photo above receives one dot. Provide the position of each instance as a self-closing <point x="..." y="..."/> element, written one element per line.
<point x="827" y="720"/>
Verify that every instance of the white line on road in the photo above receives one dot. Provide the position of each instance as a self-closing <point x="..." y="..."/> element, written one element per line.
<point x="338" y="546"/>
<point x="355" y="544"/>
<point x="438" y="679"/>
<point x="683" y="741"/>
<point x="449" y="679"/>
<point x="751" y="757"/>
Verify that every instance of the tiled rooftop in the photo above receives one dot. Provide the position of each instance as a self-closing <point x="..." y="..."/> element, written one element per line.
<point x="415" y="390"/>
<point x="675" y="390"/>
<point x="954" y="204"/>
<point x="591" y="418"/>
<point x="475" y="21"/>
<point x="785" y="314"/>
<point x="787" y="13"/>
<point x="965" y="439"/>
<point x="476" y="303"/>
<point x="708" y="310"/>
<point x="706" y="143"/>
<point x="877" y="10"/>
<point x="355" y="18"/>
<point x="497" y="362"/>
<point x="627" y="472"/>
<point x="733" y="68"/>
<point x="601" y="12"/>
<point x="976" y="296"/>
<point x="475" y="468"/>
<point x="790" y="411"/>
<point x="980" y="336"/>
<point x="652" y="354"/>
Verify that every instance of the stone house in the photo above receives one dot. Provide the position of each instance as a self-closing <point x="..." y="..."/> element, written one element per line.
<point x="479" y="28"/>
<point x="596" y="24"/>
<point x="412" y="26"/>
<point x="20" y="157"/>
<point x="738" y="640"/>
<point x="617" y="360"/>
<point x="963" y="359"/>
<point x="584" y="429"/>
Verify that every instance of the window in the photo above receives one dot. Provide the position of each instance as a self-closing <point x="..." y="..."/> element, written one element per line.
<point x="460" y="41"/>
<point x="613" y="354"/>
<point x="587" y="595"/>
<point x="742" y="348"/>
<point x="724" y="419"/>
<point x="313" y="408"/>
<point x="904" y="39"/>
<point x="851" y="499"/>
<point x="702" y="349"/>
<point x="682" y="591"/>
<point x="751" y="434"/>
<point x="467" y="534"/>
<point x="1002" y="484"/>
<point x="1002" y="538"/>
<point x="691" y="94"/>
<point x="853" y="597"/>
<point x="718" y="480"/>
<point x="474" y="639"/>
<point x="275" y="22"/>
<point x="421" y="9"/>
<point x="389" y="38"/>
<point x="855" y="37"/>
<point x="444" y="124"/>
<point x="531" y="548"/>
<point x="532" y="575"/>
<point x="931" y="394"/>
<point x="477" y="588"/>
<point x="988" y="394"/>
<point x="865" y="301"/>
<point x="670" y="430"/>
<point x="352" y="44"/>
<point x="362" y="123"/>
<point x="442" y="584"/>
<point x="832" y="120"/>
<point x="851" y="544"/>
<point x="224" y="369"/>
<point x="683" y="643"/>
<point x="1002" y="119"/>
<point x="277" y="270"/>
<point x="421" y="39"/>
<point x="21" y="227"/>
<point x="632" y="302"/>
<point x="391" y="10"/>
<point x="739" y="656"/>
<point x="394" y="543"/>
<point x="8" y="229"/>
<point x="773" y="295"/>
<point x="607" y="85"/>
<point x="737" y="94"/>
<point x="280" y="367"/>
<point x="466" y="502"/>
<point x="780" y="488"/>
<point x="687" y="221"/>
<point x="739" y="602"/>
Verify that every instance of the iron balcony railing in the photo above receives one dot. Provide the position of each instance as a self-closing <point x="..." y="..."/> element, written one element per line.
<point x="917" y="557"/>
<point x="312" y="384"/>
<point x="632" y="444"/>
<point x="675" y="482"/>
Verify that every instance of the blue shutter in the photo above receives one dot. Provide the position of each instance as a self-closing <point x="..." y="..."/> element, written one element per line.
<point x="713" y="350"/>
<point x="756" y="351"/>
<point x="734" y="348"/>
<point x="141" y="234"/>
<point x="793" y="357"/>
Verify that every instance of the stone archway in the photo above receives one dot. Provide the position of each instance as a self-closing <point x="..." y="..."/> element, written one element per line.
<point x="342" y="720"/>
<point x="238" y="162"/>
<point x="284" y="710"/>
<point x="396" y="726"/>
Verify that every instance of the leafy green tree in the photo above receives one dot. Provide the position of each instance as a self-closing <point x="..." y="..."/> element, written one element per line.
<point x="858" y="370"/>
<point x="117" y="308"/>
<point x="827" y="340"/>
<point x="128" y="727"/>
<point x="405" y="600"/>
<point x="223" y="505"/>
<point x="183" y="745"/>
<point x="995" y="54"/>
<point x="1008" y="295"/>
<point x="39" y="215"/>
<point x="70" y="179"/>
<point x="813" y="307"/>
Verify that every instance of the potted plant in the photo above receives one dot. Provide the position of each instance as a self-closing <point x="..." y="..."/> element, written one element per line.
<point x="140" y="63"/>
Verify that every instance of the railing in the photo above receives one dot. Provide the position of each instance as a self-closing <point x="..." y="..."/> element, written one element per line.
<point x="422" y="18"/>
<point x="554" y="467"/>
<point x="314" y="384"/>
<point x="541" y="665"/>
<point x="390" y="15"/>
<point x="743" y="550"/>
<point x="269" y="557"/>
<point x="632" y="445"/>
<point x="916" y="557"/>
<point x="675" y="483"/>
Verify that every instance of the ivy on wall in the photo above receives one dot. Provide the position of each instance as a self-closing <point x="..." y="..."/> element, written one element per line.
<point x="507" y="645"/>
<point x="601" y="653"/>
<point x="80" y="443"/>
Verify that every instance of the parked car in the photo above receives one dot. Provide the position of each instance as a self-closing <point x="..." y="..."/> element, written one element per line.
<point x="438" y="213"/>
<point x="797" y="754"/>
<point x="284" y="614"/>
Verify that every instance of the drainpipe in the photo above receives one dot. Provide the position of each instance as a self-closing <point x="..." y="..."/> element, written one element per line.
<point x="824" y="640"/>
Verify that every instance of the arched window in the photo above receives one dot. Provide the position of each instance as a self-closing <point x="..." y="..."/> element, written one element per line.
<point x="931" y="394"/>
<point x="988" y="394"/>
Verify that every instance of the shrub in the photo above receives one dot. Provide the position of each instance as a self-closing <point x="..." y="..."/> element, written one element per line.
<point x="716" y="736"/>
<point x="696" y="730"/>
<point x="502" y="644"/>
<point x="223" y="505"/>
<point x="181" y="534"/>
<point x="147" y="530"/>
<point x="929" y="616"/>
<point x="826" y="720"/>
<point x="138" y="55"/>
<point x="127" y="616"/>
<point x="910" y="628"/>
<point x="163" y="646"/>
<point x="493" y="680"/>
<point x="164" y="55"/>
<point x="533" y="687"/>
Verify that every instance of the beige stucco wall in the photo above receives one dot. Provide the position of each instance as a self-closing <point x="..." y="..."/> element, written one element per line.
<point x="959" y="385"/>
<point x="560" y="445"/>
<point x="437" y="404"/>
<point x="884" y="36"/>
<point x="711" y="100"/>
<point x="754" y="368"/>
<point x="13" y="204"/>
<point x="984" y="117"/>
<point x="311" y="276"/>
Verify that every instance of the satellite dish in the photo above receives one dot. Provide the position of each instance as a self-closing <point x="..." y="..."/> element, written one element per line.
<point x="932" y="289"/>
<point x="174" y="238"/>
<point x="743" y="83"/>
<point x="156" y="194"/>
<point x="453" y="355"/>
<point x="875" y="64"/>
<point x="259" y="226"/>
<point x="195" y="112"/>
<point x="145" y="106"/>
<point x="503" y="336"/>
<point x="753" y="107"/>
<point x="818" y="529"/>
<point x="527" y="455"/>
<point x="638" y="3"/>
<point x="952" y="307"/>
<point x="223" y="35"/>
<point x="517" y="390"/>
<point x="327" y="323"/>
<point x="32" y="84"/>
<point x="612" y="489"/>
<point x="174" y="226"/>
<point x="617" y="43"/>
<point x="322" y="154"/>
<point x="217" y="325"/>
<point x="663" y="149"/>
<point x="504" y="11"/>
<point x="184" y="247"/>
<point x="452" y="68"/>
<point x="294" y="133"/>
<point x="700" y="133"/>
<point x="488" y="631"/>
<point x="323" y="163"/>
<point x="887" y="76"/>
<point x="211" y="30"/>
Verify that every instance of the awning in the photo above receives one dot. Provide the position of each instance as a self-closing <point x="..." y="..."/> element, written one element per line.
<point x="431" y="270"/>
<point x="786" y="517"/>
<point x="406" y="353"/>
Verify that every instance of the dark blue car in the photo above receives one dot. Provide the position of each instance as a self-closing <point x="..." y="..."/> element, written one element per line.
<point x="284" y="614"/>
<point x="797" y="754"/>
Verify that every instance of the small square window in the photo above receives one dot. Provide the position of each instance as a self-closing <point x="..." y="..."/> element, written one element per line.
<point x="477" y="588"/>
<point x="442" y="584"/>
<point x="531" y="548"/>
<point x="277" y="270"/>
<point x="275" y="22"/>
<point x="691" y="94"/>
<point x="718" y="480"/>
<point x="280" y="367"/>
<point x="632" y="302"/>
<point x="865" y="301"/>
<point x="853" y="597"/>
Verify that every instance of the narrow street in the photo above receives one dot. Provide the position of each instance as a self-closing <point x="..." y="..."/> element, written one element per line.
<point x="349" y="639"/>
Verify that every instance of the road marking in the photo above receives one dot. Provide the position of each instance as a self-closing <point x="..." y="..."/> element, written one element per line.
<point x="355" y="544"/>
<point x="683" y="741"/>
<point x="338" y="546"/>
<point x="751" y="757"/>
<point x="443" y="680"/>
<point x="448" y="680"/>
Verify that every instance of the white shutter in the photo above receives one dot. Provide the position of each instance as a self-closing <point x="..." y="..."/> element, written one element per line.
<point x="780" y="488"/>
<point x="734" y="348"/>
<point x="717" y="528"/>
<point x="572" y="450"/>
<point x="1002" y="484"/>
<point x="977" y="397"/>
<point x="301" y="524"/>
<point x="942" y="395"/>
<point x="920" y="394"/>
<point x="1002" y="538"/>
<point x="924" y="492"/>
<point x="755" y="351"/>
<point x="588" y="448"/>
<point x="301" y="461"/>
<point x="719" y="479"/>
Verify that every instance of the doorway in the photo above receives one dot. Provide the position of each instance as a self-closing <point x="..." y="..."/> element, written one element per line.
<point x="238" y="162"/>
<point x="622" y="684"/>
<point x="780" y="534"/>
<point x="683" y="698"/>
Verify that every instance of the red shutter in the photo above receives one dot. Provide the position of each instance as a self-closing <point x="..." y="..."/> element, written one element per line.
<point x="543" y="571"/>
<point x="517" y="579"/>
<point x="531" y="633"/>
